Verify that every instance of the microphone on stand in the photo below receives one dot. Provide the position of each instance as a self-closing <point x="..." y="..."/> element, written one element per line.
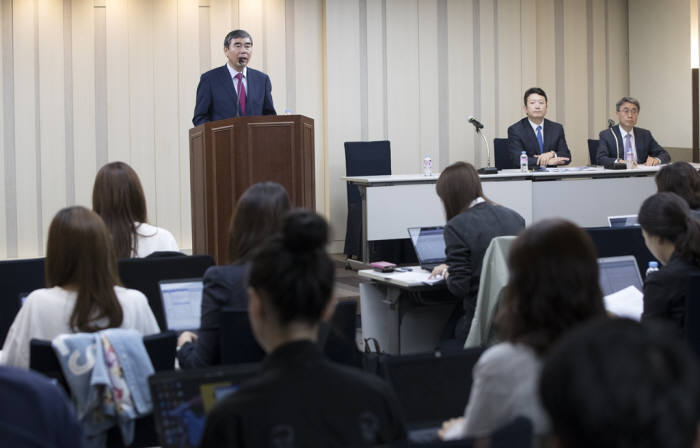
<point x="616" y="165"/>
<point x="488" y="169"/>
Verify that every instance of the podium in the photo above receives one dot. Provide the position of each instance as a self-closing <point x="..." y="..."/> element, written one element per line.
<point x="228" y="156"/>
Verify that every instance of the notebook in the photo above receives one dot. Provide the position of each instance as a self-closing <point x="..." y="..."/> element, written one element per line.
<point x="182" y="399"/>
<point x="429" y="244"/>
<point x="623" y="221"/>
<point x="431" y="388"/>
<point x="182" y="303"/>
<point x="617" y="273"/>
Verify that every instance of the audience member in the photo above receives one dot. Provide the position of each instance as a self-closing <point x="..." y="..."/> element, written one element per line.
<point x="258" y="215"/>
<point x="553" y="287"/>
<point x="118" y="198"/>
<point x="83" y="292"/>
<point x="672" y="235"/>
<point x="684" y="180"/>
<point x="35" y="412"/>
<point x="300" y="398"/>
<point x="620" y="384"/>
<point x="472" y="221"/>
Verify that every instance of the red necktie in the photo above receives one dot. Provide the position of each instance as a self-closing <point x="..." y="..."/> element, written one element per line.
<point x="241" y="93"/>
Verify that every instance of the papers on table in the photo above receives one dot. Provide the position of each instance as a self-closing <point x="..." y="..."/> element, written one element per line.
<point x="627" y="302"/>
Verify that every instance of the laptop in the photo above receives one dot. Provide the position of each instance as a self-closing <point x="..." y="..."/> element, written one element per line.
<point x="617" y="273"/>
<point x="429" y="244"/>
<point x="182" y="303"/>
<point x="623" y="221"/>
<point x="431" y="388"/>
<point x="182" y="399"/>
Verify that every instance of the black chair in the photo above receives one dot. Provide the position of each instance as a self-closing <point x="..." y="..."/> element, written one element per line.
<point x="500" y="154"/>
<point x="362" y="159"/>
<point x="338" y="337"/>
<point x="692" y="313"/>
<point x="619" y="241"/>
<point x="144" y="274"/>
<point x="593" y="151"/>
<point x="237" y="344"/>
<point x="17" y="278"/>
<point x="161" y="350"/>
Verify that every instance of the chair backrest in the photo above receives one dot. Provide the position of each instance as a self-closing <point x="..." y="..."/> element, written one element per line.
<point x="237" y="344"/>
<point x="17" y="277"/>
<point x="500" y="154"/>
<point x="339" y="342"/>
<point x="144" y="274"/>
<point x="619" y="241"/>
<point x="593" y="150"/>
<point x="692" y="313"/>
<point x="366" y="159"/>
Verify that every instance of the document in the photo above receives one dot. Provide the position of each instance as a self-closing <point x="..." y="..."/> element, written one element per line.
<point x="627" y="303"/>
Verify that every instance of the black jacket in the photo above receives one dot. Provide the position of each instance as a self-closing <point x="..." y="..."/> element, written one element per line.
<point x="521" y="137"/>
<point x="608" y="148"/>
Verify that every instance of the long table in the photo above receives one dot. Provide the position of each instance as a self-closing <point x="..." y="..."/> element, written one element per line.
<point x="584" y="195"/>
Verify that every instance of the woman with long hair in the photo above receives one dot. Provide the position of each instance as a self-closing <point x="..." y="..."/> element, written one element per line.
<point x="300" y="398"/>
<point x="472" y="222"/>
<point x="553" y="286"/>
<point x="83" y="292"/>
<point x="672" y="235"/>
<point x="117" y="196"/>
<point x="684" y="180"/>
<point x="258" y="215"/>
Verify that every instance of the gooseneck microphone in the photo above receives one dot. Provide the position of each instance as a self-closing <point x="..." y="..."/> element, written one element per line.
<point x="476" y="123"/>
<point x="611" y="123"/>
<point x="488" y="169"/>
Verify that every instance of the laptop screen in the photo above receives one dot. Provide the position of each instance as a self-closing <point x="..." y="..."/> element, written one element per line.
<point x="623" y="221"/>
<point x="429" y="243"/>
<point x="182" y="400"/>
<point x="617" y="273"/>
<point x="182" y="303"/>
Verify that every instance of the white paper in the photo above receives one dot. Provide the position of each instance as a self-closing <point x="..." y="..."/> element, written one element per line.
<point x="628" y="302"/>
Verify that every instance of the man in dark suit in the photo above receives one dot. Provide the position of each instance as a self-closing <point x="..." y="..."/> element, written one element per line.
<point x="234" y="89"/>
<point x="542" y="140"/>
<point x="640" y="141"/>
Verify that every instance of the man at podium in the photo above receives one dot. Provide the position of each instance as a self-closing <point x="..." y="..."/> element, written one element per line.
<point x="234" y="89"/>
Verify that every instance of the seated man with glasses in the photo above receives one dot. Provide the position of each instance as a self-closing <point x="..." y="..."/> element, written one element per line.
<point x="616" y="141"/>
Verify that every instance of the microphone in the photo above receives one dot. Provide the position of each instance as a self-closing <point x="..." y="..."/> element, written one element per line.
<point x="611" y="123"/>
<point x="476" y="123"/>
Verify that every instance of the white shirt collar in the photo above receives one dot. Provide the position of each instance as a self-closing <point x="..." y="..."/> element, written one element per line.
<point x="623" y="132"/>
<point x="476" y="201"/>
<point x="233" y="72"/>
<point x="534" y="126"/>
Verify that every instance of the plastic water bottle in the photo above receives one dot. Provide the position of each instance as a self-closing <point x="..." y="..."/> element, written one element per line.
<point x="629" y="159"/>
<point x="653" y="267"/>
<point x="523" y="162"/>
<point x="428" y="165"/>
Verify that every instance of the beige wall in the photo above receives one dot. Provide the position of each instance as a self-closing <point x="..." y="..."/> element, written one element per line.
<point x="84" y="82"/>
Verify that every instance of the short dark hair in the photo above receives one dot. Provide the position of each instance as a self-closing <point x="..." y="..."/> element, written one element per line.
<point x="615" y="383"/>
<point x="258" y="215"/>
<point x="680" y="178"/>
<point x="292" y="271"/>
<point x="534" y="90"/>
<point x="627" y="99"/>
<point x="553" y="284"/>
<point x="457" y="186"/>
<point x="667" y="216"/>
<point x="236" y="34"/>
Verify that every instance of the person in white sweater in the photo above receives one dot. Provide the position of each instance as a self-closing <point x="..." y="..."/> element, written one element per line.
<point x="117" y="196"/>
<point x="83" y="293"/>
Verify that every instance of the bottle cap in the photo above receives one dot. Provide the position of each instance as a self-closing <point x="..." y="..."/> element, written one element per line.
<point x="653" y="264"/>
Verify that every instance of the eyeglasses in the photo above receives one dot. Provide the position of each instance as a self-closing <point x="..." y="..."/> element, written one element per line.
<point x="629" y="111"/>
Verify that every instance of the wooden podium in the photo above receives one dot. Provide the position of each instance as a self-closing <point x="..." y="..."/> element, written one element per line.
<point x="228" y="156"/>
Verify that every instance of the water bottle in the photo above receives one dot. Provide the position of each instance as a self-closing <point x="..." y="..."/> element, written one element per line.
<point x="629" y="159"/>
<point x="653" y="267"/>
<point x="523" y="162"/>
<point x="287" y="112"/>
<point x="428" y="165"/>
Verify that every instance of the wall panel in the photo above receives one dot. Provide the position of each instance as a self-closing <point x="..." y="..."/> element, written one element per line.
<point x="6" y="92"/>
<point x="576" y="80"/>
<point x="117" y="71"/>
<point x="428" y="112"/>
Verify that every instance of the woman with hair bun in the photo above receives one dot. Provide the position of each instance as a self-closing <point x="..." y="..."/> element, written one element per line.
<point x="672" y="235"/>
<point x="300" y="398"/>
<point x="117" y="196"/>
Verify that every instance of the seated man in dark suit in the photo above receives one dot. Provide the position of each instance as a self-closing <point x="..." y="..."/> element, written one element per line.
<point x="542" y="140"/>
<point x="644" y="148"/>
<point x="234" y="89"/>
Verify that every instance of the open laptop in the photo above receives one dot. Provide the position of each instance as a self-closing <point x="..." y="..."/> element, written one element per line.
<point x="429" y="244"/>
<point x="623" y="221"/>
<point x="617" y="273"/>
<point x="182" y="303"/>
<point x="431" y="388"/>
<point x="182" y="399"/>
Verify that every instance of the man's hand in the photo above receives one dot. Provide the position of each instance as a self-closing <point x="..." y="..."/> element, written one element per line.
<point x="652" y="161"/>
<point x="185" y="337"/>
<point x="557" y="161"/>
<point x="439" y="271"/>
<point x="544" y="158"/>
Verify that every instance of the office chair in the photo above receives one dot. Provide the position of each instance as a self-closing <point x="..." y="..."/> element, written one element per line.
<point x="237" y="344"/>
<point x="143" y="274"/>
<point x="593" y="151"/>
<point x="161" y="351"/>
<point x="338" y="337"/>
<point x="692" y="313"/>
<point x="500" y="154"/>
<point x="17" y="277"/>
